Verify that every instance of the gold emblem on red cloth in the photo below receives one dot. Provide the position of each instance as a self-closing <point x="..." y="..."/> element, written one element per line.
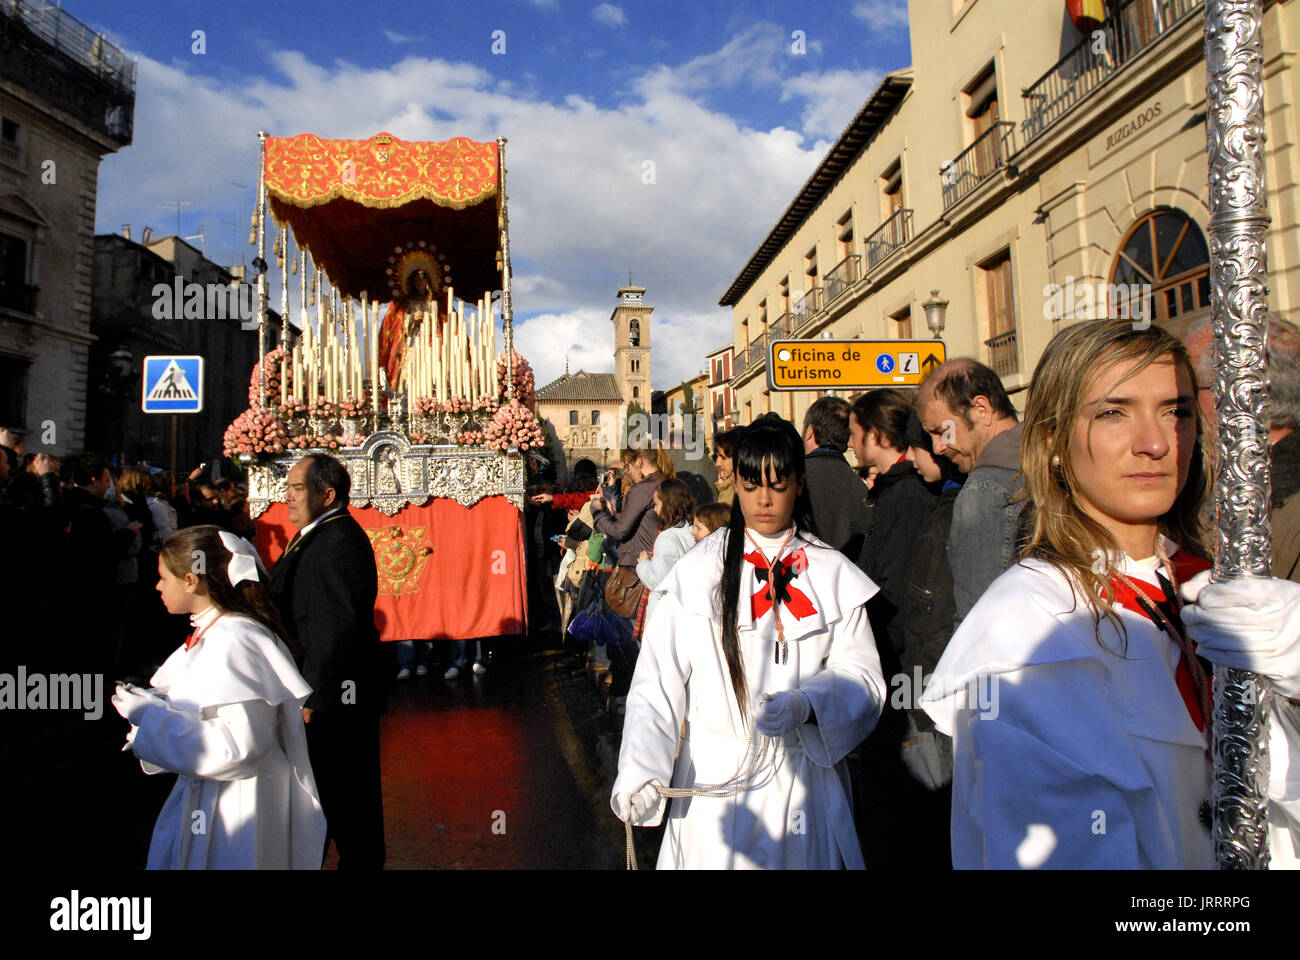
<point x="400" y="558"/>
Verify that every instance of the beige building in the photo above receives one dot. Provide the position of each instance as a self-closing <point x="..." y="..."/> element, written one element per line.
<point x="675" y="406"/>
<point x="67" y="99"/>
<point x="584" y="409"/>
<point x="1025" y="173"/>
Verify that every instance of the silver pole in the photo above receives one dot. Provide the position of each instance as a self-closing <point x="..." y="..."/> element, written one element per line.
<point x="1239" y="305"/>
<point x="261" y="276"/>
<point x="507" y="308"/>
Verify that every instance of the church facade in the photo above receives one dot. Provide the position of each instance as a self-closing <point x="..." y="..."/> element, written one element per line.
<point x="584" y="410"/>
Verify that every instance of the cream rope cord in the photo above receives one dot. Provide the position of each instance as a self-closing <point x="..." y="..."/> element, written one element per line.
<point x="761" y="751"/>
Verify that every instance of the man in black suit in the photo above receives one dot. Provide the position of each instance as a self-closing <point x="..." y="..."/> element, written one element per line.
<point x="325" y="586"/>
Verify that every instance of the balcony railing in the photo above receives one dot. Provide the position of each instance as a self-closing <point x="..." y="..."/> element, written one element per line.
<point x="757" y="354"/>
<point x="805" y="308"/>
<point x="1003" y="356"/>
<point x="890" y="236"/>
<point x="842" y="276"/>
<point x="72" y="37"/>
<point x="1125" y="34"/>
<point x="11" y="153"/>
<point x="739" y="363"/>
<point x="983" y="158"/>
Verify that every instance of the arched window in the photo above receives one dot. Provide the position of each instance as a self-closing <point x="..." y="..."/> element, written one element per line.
<point x="573" y="418"/>
<point x="634" y="329"/>
<point x="1166" y="249"/>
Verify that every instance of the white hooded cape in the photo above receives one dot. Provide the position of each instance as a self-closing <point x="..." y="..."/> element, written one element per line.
<point x="1070" y="755"/>
<point x="229" y="723"/>
<point x="799" y="814"/>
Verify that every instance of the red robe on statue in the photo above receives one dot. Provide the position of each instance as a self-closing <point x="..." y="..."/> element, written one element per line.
<point x="392" y="343"/>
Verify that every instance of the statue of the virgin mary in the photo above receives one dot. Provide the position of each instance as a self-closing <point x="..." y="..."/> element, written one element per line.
<point x="416" y="277"/>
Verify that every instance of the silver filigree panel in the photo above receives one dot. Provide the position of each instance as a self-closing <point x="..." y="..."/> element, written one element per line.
<point x="388" y="473"/>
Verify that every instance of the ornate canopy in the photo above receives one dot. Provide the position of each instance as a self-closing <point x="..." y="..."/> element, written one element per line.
<point x="357" y="205"/>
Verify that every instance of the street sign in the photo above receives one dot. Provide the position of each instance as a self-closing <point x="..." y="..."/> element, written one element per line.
<point x="172" y="385"/>
<point x="851" y="364"/>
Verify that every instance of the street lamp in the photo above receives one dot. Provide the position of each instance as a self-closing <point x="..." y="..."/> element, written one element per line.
<point x="934" y="313"/>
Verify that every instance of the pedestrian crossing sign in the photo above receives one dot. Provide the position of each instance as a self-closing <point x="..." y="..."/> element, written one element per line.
<point x="172" y="385"/>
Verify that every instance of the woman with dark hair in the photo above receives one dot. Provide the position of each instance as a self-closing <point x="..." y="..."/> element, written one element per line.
<point x="224" y="713"/>
<point x="761" y="644"/>
<point x="724" y="448"/>
<point x="634" y="528"/>
<point x="1074" y="690"/>
<point x="675" y="508"/>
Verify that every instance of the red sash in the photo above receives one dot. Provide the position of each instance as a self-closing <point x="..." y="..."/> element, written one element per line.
<point x="1185" y="567"/>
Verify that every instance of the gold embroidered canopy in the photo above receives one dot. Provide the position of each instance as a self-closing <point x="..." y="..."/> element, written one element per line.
<point x="356" y="204"/>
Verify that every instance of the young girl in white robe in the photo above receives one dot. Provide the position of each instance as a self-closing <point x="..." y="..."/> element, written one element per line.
<point x="795" y="642"/>
<point x="224" y="713"/>
<point x="1074" y="690"/>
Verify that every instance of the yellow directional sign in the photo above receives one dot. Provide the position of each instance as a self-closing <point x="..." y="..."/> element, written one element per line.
<point x="851" y="364"/>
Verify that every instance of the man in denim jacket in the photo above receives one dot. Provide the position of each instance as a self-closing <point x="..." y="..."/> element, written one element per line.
<point x="966" y="410"/>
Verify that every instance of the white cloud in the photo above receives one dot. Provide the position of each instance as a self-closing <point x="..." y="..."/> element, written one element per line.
<point x="832" y="98"/>
<point x="395" y="37"/>
<point x="609" y="15"/>
<point x="882" y="14"/>
<point x="581" y="215"/>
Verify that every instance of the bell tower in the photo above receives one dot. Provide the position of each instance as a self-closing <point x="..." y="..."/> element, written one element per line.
<point x="631" y="319"/>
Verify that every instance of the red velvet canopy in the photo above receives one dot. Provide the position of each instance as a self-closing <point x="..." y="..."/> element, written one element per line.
<point x="354" y="204"/>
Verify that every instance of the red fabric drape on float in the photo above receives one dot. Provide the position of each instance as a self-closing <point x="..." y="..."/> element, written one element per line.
<point x="445" y="571"/>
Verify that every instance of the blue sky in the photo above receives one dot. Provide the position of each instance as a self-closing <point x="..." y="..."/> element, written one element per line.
<point x="732" y="106"/>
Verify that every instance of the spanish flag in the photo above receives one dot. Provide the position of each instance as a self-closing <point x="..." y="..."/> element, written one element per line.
<point x="1087" y="15"/>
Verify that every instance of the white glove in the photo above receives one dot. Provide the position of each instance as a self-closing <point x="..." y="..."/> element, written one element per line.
<point x="636" y="808"/>
<point x="1250" y="623"/>
<point x="131" y="703"/>
<point x="779" y="713"/>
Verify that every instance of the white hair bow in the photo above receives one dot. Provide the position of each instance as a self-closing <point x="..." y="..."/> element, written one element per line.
<point x="244" y="561"/>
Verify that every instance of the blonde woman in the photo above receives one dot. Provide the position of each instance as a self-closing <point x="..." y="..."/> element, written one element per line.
<point x="1075" y="690"/>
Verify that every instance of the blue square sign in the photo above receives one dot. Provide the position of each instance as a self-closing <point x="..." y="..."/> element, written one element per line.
<point x="172" y="385"/>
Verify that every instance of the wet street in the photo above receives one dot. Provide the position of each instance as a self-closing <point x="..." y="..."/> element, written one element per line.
<point x="490" y="771"/>
<point x="501" y="771"/>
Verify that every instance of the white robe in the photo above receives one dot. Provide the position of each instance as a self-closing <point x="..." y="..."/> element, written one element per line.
<point x="799" y="814"/>
<point x="229" y="723"/>
<point x="1072" y="756"/>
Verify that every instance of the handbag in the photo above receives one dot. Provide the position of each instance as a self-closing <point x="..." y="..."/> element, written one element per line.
<point x="623" y="591"/>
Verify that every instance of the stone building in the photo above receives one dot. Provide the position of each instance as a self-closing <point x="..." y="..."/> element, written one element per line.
<point x="128" y="327"/>
<point x="585" y="410"/>
<point x="1027" y="179"/>
<point x="67" y="99"/>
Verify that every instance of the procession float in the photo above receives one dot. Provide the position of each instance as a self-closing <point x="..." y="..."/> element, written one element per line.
<point x="401" y="255"/>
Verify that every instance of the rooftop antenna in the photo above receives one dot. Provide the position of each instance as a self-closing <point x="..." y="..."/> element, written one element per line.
<point x="202" y="238"/>
<point x="178" y="204"/>
<point x="234" y="241"/>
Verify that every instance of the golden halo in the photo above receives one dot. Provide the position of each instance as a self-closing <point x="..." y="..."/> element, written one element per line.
<point x="416" y="258"/>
